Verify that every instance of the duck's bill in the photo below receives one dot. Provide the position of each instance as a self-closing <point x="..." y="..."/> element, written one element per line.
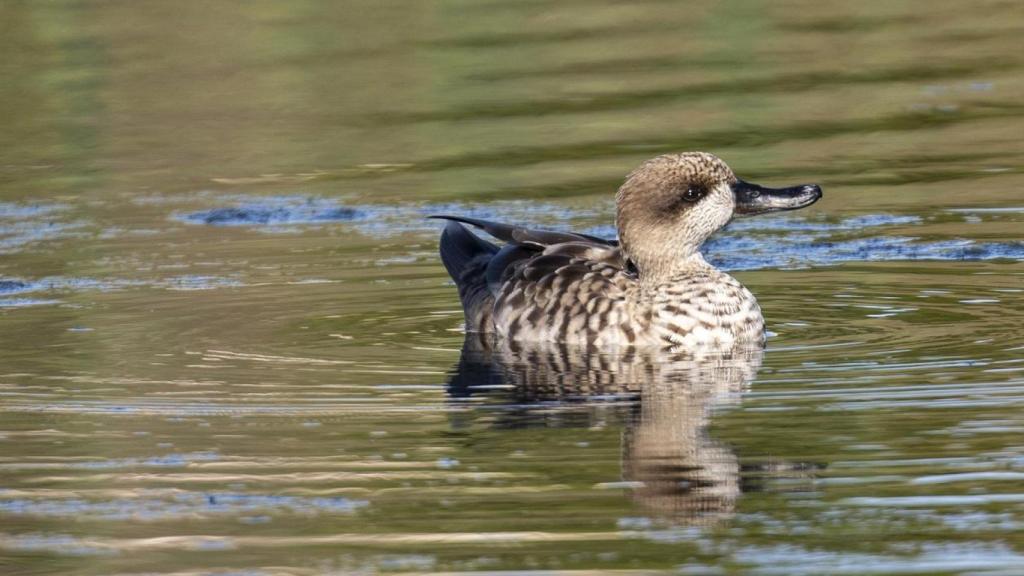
<point x="753" y="199"/>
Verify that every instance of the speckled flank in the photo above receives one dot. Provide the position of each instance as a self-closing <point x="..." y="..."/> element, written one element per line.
<point x="655" y="289"/>
<point x="590" y="298"/>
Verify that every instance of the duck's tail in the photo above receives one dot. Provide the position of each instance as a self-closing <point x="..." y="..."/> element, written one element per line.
<point x="461" y="249"/>
<point x="465" y="255"/>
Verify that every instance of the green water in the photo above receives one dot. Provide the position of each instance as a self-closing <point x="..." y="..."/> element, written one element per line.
<point x="227" y="345"/>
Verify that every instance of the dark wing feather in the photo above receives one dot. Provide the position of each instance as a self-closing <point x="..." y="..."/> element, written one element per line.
<point x="466" y="257"/>
<point x="461" y="249"/>
<point x="519" y="234"/>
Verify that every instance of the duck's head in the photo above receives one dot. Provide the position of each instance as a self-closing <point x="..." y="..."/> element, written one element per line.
<point x="671" y="204"/>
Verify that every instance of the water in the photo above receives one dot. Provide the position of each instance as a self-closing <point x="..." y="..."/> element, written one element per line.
<point x="228" y="345"/>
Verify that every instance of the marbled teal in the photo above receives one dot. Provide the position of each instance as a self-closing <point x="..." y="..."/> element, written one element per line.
<point x="652" y="287"/>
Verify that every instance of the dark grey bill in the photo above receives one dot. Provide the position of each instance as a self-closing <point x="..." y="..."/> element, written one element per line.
<point x="753" y="199"/>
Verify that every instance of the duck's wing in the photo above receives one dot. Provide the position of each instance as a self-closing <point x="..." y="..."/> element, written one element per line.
<point x="460" y="249"/>
<point x="567" y="292"/>
<point x="514" y="288"/>
<point x="522" y="235"/>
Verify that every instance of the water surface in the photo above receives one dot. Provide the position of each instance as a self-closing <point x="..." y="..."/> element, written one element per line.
<point x="228" y="345"/>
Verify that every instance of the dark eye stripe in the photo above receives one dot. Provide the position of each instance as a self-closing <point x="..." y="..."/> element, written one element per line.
<point x="694" y="193"/>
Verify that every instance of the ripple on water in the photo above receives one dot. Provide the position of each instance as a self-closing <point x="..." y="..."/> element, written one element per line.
<point x="794" y="560"/>
<point x="14" y="286"/>
<point x="60" y="285"/>
<point x="783" y="241"/>
<point x="25" y="225"/>
<point x="21" y="211"/>
<point x="53" y="544"/>
<point x="746" y="244"/>
<point x="150" y="505"/>
<point x="293" y="213"/>
<point x="789" y="241"/>
<point x="275" y="211"/>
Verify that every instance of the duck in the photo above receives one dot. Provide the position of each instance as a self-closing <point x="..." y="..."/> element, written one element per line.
<point x="651" y="287"/>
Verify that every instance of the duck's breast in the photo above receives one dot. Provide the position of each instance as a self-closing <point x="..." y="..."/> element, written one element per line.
<point x="708" y="310"/>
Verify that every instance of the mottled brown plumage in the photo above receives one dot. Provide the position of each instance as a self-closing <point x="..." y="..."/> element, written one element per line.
<point x="652" y="288"/>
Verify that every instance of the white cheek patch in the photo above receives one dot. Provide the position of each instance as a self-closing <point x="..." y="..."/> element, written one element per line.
<point x="714" y="211"/>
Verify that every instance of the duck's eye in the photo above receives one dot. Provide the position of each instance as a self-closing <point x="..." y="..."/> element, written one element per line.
<point x="694" y="193"/>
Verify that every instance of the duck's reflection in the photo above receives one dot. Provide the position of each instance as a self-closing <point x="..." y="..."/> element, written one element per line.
<point x="670" y="462"/>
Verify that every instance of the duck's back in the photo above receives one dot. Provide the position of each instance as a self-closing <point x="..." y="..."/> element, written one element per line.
<point x="568" y="292"/>
<point x="541" y="285"/>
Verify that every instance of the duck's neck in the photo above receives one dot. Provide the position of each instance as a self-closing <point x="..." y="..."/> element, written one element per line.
<point x="655" y="274"/>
